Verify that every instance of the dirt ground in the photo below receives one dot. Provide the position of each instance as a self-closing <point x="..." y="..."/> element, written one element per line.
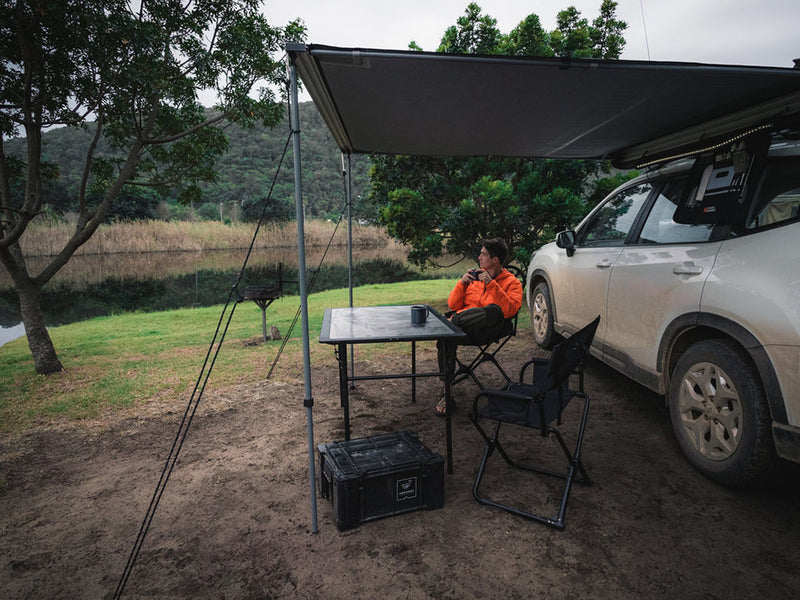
<point x="235" y="518"/>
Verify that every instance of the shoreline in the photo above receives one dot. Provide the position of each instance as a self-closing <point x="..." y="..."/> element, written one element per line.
<point x="9" y="334"/>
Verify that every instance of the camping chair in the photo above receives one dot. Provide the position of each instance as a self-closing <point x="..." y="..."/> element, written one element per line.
<point x="539" y="405"/>
<point x="487" y="351"/>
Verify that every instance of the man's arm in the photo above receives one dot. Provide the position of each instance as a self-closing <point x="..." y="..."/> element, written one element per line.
<point x="507" y="294"/>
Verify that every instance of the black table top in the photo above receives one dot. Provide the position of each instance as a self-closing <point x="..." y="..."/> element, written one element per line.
<point x="372" y="324"/>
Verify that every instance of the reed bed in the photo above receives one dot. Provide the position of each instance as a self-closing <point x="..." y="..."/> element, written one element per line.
<point x="176" y="236"/>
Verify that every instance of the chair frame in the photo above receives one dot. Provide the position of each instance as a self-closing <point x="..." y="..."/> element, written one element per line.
<point x="575" y="471"/>
<point x="466" y="369"/>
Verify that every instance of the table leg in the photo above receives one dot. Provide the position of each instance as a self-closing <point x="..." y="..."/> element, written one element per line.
<point x="448" y="394"/>
<point x="344" y="394"/>
<point x="413" y="370"/>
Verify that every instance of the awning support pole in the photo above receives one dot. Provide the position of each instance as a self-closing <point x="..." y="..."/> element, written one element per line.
<point x="308" y="402"/>
<point x="349" y="202"/>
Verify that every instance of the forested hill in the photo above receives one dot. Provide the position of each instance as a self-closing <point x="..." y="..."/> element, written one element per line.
<point x="249" y="166"/>
<point x="245" y="173"/>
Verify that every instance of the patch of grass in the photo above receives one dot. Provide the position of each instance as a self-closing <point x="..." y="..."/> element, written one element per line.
<point x="129" y="360"/>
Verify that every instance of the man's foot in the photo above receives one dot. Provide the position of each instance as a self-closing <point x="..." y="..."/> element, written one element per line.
<point x="440" y="409"/>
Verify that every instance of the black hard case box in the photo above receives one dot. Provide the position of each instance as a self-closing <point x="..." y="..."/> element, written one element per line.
<point x="375" y="477"/>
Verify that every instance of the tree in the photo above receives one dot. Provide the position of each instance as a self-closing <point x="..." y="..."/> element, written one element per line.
<point x="528" y="39"/>
<point x="134" y="69"/>
<point x="473" y="34"/>
<point x="574" y="37"/>
<point x="447" y="205"/>
<point x="606" y="32"/>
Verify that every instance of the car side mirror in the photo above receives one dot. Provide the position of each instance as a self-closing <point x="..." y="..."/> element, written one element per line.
<point x="566" y="240"/>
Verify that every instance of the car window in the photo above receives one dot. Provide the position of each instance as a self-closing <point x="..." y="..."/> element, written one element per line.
<point x="778" y="197"/>
<point x="611" y="224"/>
<point x="660" y="228"/>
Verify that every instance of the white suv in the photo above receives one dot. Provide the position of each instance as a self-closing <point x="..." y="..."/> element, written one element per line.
<point x="695" y="271"/>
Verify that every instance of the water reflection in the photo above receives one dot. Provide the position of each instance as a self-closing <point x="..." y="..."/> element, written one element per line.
<point x="11" y="333"/>
<point x="84" y="270"/>
<point x="90" y="286"/>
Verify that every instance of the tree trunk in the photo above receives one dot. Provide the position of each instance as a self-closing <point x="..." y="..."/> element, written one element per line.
<point x="45" y="359"/>
<point x="29" y="290"/>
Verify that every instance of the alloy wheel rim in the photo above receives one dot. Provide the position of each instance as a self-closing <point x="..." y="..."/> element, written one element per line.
<point x="540" y="316"/>
<point x="710" y="411"/>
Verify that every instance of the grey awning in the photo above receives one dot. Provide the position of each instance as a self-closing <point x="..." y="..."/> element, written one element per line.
<point x="420" y="103"/>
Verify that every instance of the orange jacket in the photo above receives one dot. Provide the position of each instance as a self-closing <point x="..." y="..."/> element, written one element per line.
<point x="505" y="290"/>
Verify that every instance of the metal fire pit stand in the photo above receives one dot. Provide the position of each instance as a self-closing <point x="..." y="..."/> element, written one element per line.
<point x="263" y="296"/>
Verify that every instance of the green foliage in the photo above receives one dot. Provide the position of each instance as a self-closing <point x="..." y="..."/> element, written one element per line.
<point x="473" y="34"/>
<point x="606" y="32"/>
<point x="571" y="38"/>
<point x="406" y="214"/>
<point x="441" y="205"/>
<point x="447" y="205"/>
<point x="133" y="205"/>
<point x="246" y="170"/>
<point x="208" y="211"/>
<point x="575" y="37"/>
<point x="528" y="39"/>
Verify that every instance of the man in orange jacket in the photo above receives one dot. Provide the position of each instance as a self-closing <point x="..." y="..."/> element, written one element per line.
<point x="491" y="287"/>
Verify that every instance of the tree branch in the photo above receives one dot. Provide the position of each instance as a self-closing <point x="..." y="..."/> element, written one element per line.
<point x="88" y="165"/>
<point x="87" y="226"/>
<point x="172" y="138"/>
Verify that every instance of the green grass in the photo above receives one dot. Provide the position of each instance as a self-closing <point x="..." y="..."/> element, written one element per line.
<point x="116" y="363"/>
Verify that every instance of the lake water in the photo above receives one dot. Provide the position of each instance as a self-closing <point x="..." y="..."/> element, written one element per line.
<point x="91" y="286"/>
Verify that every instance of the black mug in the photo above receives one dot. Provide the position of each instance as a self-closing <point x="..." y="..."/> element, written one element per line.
<point x="419" y="314"/>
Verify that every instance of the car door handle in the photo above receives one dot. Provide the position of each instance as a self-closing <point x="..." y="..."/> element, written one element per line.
<point x="688" y="269"/>
<point x="603" y="264"/>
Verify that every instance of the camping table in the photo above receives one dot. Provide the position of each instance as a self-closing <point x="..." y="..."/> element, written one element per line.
<point x="375" y="324"/>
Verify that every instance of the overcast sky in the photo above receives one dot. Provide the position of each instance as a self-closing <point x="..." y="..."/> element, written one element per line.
<point x="742" y="32"/>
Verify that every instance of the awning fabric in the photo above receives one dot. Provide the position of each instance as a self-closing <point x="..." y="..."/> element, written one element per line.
<point x="632" y="112"/>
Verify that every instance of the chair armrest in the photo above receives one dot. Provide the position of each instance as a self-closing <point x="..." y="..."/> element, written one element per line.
<point x="506" y="394"/>
<point x="541" y="362"/>
<point x="511" y="407"/>
<point x="501" y="394"/>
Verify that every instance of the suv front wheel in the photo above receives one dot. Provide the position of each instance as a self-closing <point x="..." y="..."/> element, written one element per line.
<point x="542" y="317"/>
<point x="719" y="413"/>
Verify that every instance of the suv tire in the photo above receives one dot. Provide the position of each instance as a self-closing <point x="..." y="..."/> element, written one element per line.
<point x="542" y="317"/>
<point x="719" y="413"/>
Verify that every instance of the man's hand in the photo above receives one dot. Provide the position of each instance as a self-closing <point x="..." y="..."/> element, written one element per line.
<point x="475" y="275"/>
<point x="483" y="276"/>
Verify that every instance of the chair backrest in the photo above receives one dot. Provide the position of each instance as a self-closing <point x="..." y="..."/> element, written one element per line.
<point x="518" y="273"/>
<point x="522" y="276"/>
<point x="569" y="355"/>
